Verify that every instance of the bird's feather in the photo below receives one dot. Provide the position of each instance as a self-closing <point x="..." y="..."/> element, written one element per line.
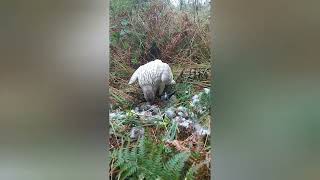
<point x="134" y="77"/>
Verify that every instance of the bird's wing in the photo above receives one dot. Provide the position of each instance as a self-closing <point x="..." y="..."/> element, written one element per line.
<point x="170" y="73"/>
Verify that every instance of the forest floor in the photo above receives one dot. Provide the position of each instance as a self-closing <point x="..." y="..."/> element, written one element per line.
<point x="176" y="132"/>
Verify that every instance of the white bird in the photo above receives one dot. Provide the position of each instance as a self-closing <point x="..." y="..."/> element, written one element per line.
<point x="153" y="77"/>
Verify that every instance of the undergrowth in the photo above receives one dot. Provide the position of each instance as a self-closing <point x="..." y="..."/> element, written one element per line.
<point x="148" y="160"/>
<point x="134" y="27"/>
<point x="182" y="36"/>
<point x="184" y="93"/>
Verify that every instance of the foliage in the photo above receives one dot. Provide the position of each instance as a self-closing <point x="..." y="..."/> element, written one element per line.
<point x="130" y="161"/>
<point x="182" y="35"/>
<point x="172" y="133"/>
<point x="136" y="24"/>
<point x="202" y="106"/>
<point x="148" y="160"/>
<point x="184" y="93"/>
<point x="118" y="6"/>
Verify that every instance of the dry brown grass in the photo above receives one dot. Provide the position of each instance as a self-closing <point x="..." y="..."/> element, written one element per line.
<point x="184" y="45"/>
<point x="182" y="41"/>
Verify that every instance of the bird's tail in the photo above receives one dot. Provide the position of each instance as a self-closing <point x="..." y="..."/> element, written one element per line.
<point x="134" y="77"/>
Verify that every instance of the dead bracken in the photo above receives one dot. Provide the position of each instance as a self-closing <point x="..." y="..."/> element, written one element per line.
<point x="169" y="138"/>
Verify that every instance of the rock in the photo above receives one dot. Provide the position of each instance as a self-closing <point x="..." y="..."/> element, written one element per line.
<point x="182" y="109"/>
<point x="201" y="130"/>
<point x="155" y="118"/>
<point x="154" y="109"/>
<point x="184" y="124"/>
<point x="177" y="119"/>
<point x="185" y="115"/>
<point x="137" y="109"/>
<point x="117" y="115"/>
<point x="170" y="113"/>
<point x="180" y="114"/>
<point x="147" y="113"/>
<point x="136" y="132"/>
<point x="192" y="115"/>
<point x="187" y="123"/>
<point x="145" y="107"/>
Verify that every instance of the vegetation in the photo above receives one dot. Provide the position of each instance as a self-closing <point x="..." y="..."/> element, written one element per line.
<point x="181" y="33"/>
<point x="148" y="160"/>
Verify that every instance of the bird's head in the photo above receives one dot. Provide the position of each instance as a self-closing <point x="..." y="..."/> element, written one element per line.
<point x="148" y="94"/>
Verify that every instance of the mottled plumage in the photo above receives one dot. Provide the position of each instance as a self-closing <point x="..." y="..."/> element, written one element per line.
<point x="152" y="78"/>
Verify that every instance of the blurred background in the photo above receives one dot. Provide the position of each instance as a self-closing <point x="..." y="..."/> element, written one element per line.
<point x="53" y="89"/>
<point x="267" y="116"/>
<point x="53" y="95"/>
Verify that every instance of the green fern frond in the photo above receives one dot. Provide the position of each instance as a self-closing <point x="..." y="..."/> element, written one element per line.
<point x="129" y="170"/>
<point x="176" y="163"/>
<point x="172" y="133"/>
<point x="120" y="160"/>
<point x="147" y="159"/>
<point x="141" y="147"/>
<point x="133" y="156"/>
<point x="190" y="173"/>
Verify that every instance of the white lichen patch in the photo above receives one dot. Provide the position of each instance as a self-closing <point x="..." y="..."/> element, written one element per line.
<point x="184" y="116"/>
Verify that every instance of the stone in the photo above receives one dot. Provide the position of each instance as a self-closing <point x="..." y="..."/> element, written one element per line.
<point x="201" y="130"/>
<point x="137" y="109"/>
<point x="181" y="109"/>
<point x="180" y="114"/>
<point x="136" y="132"/>
<point x="145" y="106"/>
<point x="170" y="113"/>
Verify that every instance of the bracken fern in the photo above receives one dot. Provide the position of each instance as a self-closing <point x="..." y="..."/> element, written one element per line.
<point x="147" y="160"/>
